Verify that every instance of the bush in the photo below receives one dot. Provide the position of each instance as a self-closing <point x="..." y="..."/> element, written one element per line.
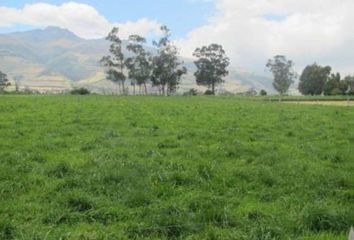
<point x="191" y="92"/>
<point x="263" y="92"/>
<point x="251" y="92"/>
<point x="209" y="93"/>
<point x="80" y="91"/>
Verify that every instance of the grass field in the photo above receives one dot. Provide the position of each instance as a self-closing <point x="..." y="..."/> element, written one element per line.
<point x="325" y="103"/>
<point x="104" y="167"/>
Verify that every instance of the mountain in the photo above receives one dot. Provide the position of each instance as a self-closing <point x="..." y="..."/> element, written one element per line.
<point x="55" y="59"/>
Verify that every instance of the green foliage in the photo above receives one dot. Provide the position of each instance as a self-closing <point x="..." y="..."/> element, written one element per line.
<point x="191" y="92"/>
<point x="80" y="91"/>
<point x="106" y="167"/>
<point x="313" y="79"/>
<point x="325" y="219"/>
<point x="283" y="73"/>
<point x="140" y="63"/>
<point x="209" y="92"/>
<point x="4" y="81"/>
<point x="115" y="62"/>
<point x="263" y="92"/>
<point x="7" y="230"/>
<point x="167" y="67"/>
<point x="350" y="82"/>
<point x="211" y="65"/>
<point x="335" y="85"/>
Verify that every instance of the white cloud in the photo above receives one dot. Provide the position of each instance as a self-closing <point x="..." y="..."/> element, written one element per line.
<point x="82" y="19"/>
<point x="305" y="31"/>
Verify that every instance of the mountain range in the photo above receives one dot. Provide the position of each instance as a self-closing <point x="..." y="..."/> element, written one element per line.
<point x="55" y="60"/>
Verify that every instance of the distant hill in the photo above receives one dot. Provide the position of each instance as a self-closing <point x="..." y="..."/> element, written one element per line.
<point x="55" y="59"/>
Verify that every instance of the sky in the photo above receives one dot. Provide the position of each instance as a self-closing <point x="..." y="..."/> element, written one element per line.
<point x="251" y="31"/>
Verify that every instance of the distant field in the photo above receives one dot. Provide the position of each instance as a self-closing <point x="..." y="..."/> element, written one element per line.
<point x="105" y="167"/>
<point x="308" y="98"/>
<point x="326" y="103"/>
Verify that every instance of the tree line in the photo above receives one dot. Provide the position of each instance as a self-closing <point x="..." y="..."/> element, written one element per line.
<point x="160" y="66"/>
<point x="314" y="79"/>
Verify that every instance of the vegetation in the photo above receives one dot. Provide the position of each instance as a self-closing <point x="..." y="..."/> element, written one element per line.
<point x="283" y="73"/>
<point x="80" y="91"/>
<point x="335" y="85"/>
<point x="4" y="81"/>
<point x="350" y="82"/>
<point x="211" y="64"/>
<point x="167" y="67"/>
<point x="174" y="168"/>
<point x="115" y="62"/>
<point x="139" y="64"/>
<point x="263" y="92"/>
<point x="313" y="79"/>
<point x="191" y="92"/>
<point x="163" y="69"/>
<point x="317" y="80"/>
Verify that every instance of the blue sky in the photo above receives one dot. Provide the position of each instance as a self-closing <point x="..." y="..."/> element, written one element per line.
<point x="181" y="16"/>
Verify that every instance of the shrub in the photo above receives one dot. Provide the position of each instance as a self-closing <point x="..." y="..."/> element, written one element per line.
<point x="209" y="93"/>
<point x="191" y="92"/>
<point x="80" y="91"/>
<point x="263" y="92"/>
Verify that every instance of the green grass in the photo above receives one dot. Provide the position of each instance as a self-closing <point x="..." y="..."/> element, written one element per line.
<point x="104" y="167"/>
<point x="306" y="98"/>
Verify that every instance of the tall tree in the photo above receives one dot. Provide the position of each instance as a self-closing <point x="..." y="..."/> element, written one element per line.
<point x="4" y="81"/>
<point x="211" y="65"/>
<point x="115" y="62"/>
<point x="139" y="64"/>
<point x="167" y="68"/>
<point x="283" y="73"/>
<point x="335" y="85"/>
<point x="313" y="79"/>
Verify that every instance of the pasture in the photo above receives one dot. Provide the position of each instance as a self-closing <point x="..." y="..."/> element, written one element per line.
<point x="106" y="167"/>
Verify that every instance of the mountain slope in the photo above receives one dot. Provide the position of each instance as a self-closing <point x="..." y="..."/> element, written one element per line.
<point x="55" y="59"/>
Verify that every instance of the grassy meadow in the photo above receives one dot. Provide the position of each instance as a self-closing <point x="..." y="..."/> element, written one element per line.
<point x="106" y="167"/>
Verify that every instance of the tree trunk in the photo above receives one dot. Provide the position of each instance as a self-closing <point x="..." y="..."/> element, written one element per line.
<point x="213" y="88"/>
<point x="145" y="88"/>
<point x="123" y="87"/>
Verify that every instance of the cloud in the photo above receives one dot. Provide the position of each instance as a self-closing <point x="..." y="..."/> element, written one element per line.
<point x="82" y="19"/>
<point x="254" y="30"/>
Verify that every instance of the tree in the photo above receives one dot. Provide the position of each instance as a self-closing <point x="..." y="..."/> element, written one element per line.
<point x="115" y="62"/>
<point x="4" y="81"/>
<point x="282" y="70"/>
<point x="167" y="70"/>
<point x="140" y="63"/>
<point x="335" y="85"/>
<point x="263" y="92"/>
<point x="350" y="82"/>
<point x="313" y="79"/>
<point x="211" y="66"/>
